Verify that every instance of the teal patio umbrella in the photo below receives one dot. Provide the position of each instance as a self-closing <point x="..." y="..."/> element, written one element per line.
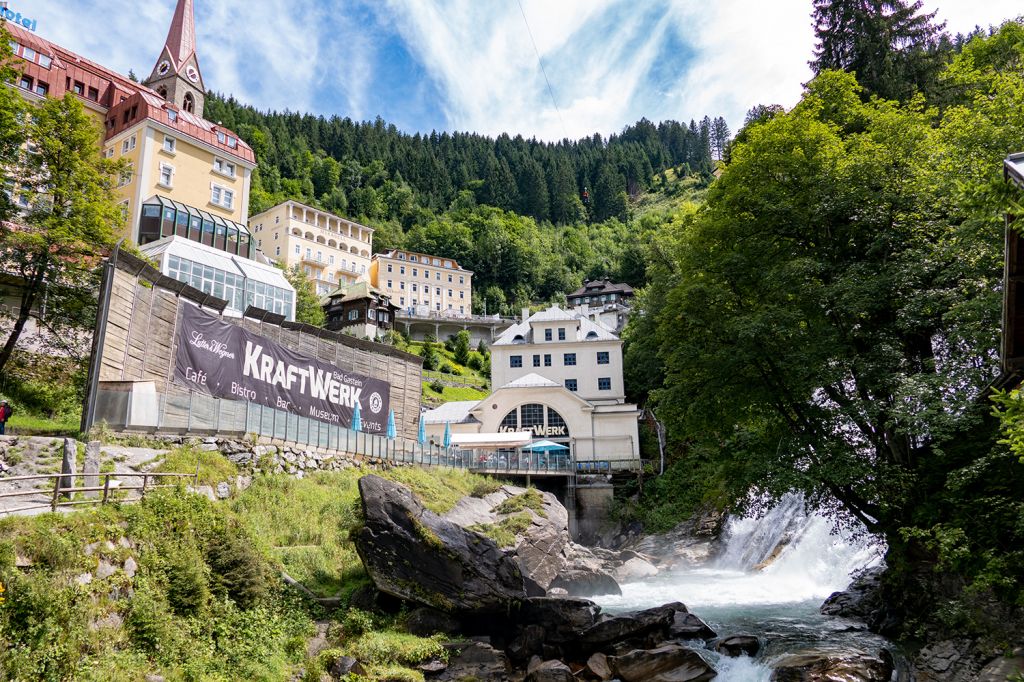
<point x="422" y="437"/>
<point x="391" y="424"/>
<point x="447" y="434"/>
<point x="545" y="446"/>
<point x="357" y="419"/>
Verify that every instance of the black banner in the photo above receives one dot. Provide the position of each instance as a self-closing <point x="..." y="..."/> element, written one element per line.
<point x="227" y="361"/>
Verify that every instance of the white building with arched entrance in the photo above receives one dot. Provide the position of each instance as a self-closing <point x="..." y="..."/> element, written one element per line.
<point x="559" y="377"/>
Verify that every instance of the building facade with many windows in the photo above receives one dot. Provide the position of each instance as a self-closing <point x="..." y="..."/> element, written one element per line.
<point x="331" y="250"/>
<point x="559" y="376"/>
<point x="423" y="285"/>
<point x="185" y="190"/>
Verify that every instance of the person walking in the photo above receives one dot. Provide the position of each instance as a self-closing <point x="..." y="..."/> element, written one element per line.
<point x="5" y="413"/>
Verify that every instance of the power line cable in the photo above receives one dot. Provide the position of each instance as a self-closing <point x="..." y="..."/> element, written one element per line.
<point x="540" y="61"/>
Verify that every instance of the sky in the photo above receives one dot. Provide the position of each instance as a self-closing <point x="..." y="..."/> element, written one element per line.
<point x="476" y="65"/>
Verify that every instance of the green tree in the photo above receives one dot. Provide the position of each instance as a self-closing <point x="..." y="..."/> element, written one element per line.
<point x="73" y="217"/>
<point x="461" y="348"/>
<point x="889" y="44"/>
<point x="307" y="303"/>
<point x="13" y="129"/>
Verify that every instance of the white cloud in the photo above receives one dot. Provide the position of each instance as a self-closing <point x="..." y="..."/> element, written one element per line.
<point x="610" y="62"/>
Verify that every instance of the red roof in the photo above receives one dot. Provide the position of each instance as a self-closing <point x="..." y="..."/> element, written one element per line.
<point x="117" y="94"/>
<point x="181" y="38"/>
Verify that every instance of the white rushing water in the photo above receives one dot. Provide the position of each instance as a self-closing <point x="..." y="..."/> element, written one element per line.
<point x="769" y="580"/>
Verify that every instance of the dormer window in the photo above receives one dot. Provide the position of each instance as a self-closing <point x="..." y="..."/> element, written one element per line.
<point x="172" y="115"/>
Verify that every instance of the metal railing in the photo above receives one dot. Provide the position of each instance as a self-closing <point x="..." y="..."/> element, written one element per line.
<point x="61" y="493"/>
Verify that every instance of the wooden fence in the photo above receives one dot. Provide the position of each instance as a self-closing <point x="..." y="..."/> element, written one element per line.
<point x="60" y="493"/>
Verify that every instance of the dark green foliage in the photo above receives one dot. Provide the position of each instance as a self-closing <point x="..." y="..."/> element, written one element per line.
<point x="187" y="588"/>
<point x="307" y="303"/>
<point x="891" y="46"/>
<point x="238" y="569"/>
<point x="461" y="348"/>
<point x="437" y="386"/>
<point x="431" y="358"/>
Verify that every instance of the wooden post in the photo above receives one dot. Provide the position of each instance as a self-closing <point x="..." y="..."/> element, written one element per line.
<point x="56" y="492"/>
<point x="145" y="482"/>
<point x="106" y="487"/>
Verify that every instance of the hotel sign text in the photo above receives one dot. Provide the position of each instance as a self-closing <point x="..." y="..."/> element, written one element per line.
<point x="11" y="15"/>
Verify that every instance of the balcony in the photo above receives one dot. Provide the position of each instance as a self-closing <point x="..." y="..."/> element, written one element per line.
<point x="316" y="262"/>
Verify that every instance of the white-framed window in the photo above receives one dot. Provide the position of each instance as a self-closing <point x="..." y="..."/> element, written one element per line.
<point x="222" y="196"/>
<point x="353" y="314"/>
<point x="169" y="144"/>
<point x="128" y="144"/>
<point x="330" y="260"/>
<point x="390" y="269"/>
<point x="224" y="167"/>
<point x="166" y="175"/>
<point x="277" y="251"/>
<point x="371" y="314"/>
<point x="126" y="175"/>
<point x="124" y="209"/>
<point x="390" y="286"/>
<point x="401" y="270"/>
<point x="462" y="279"/>
<point x="172" y="115"/>
<point x="297" y="250"/>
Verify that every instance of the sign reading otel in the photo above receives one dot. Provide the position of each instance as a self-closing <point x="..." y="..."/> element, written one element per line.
<point x="11" y="15"/>
<point x="227" y="361"/>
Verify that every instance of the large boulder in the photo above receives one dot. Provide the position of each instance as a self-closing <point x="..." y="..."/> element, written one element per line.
<point x="827" y="666"/>
<point x="738" y="645"/>
<point x="668" y="663"/>
<point x="562" y="618"/>
<point x="412" y="553"/>
<point x="474" y="661"/>
<point x="628" y="626"/>
<point x="862" y="600"/>
<point x="547" y="556"/>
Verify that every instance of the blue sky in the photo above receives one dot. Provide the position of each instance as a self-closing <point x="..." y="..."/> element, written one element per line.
<point x="470" y="64"/>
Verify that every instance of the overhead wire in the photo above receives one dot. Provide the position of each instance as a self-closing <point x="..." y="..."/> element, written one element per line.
<point x="543" y="71"/>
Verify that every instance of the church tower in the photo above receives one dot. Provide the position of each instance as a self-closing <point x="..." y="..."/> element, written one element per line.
<point x="176" y="75"/>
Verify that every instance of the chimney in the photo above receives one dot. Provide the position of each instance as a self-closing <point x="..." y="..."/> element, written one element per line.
<point x="526" y="314"/>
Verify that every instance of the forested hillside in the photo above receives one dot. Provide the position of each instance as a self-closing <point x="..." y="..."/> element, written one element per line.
<point x="372" y="170"/>
<point x="511" y="210"/>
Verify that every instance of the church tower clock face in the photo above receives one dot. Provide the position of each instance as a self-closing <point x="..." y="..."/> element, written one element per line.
<point x="192" y="74"/>
<point x="163" y="67"/>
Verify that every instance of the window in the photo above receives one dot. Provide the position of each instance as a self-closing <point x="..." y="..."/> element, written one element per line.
<point x="449" y="279"/>
<point x="462" y="295"/>
<point x="128" y="144"/>
<point x="26" y="82"/>
<point x="415" y="272"/>
<point x="390" y="286"/>
<point x="570" y="384"/>
<point x="604" y="384"/>
<point x="569" y="359"/>
<point x="389" y="268"/>
<point x="449" y="293"/>
<point x="277" y="251"/>
<point x="297" y="250"/>
<point x="401" y="270"/>
<point x="462" y="279"/>
<point x="448" y="264"/>
<point x="401" y="285"/>
<point x="437" y="291"/>
<point x="401" y="300"/>
<point x="166" y="175"/>
<point x="224" y="167"/>
<point x="602" y="357"/>
<point x="309" y="253"/>
<point x="330" y="260"/>
<point x="415" y="259"/>
<point x="45" y="61"/>
<point x="414" y="288"/>
<point x="353" y="314"/>
<point x="172" y="115"/>
<point x="547" y="359"/>
<point x="189" y="104"/>
<point x="383" y="316"/>
<point x="79" y="89"/>
<point x="436" y="262"/>
<point x="28" y="53"/>
<point x="438" y="276"/>
<point x="169" y="144"/>
<point x="42" y="88"/>
<point x="93" y="94"/>
<point x="126" y="175"/>
<point x="222" y="196"/>
<point x="515" y="361"/>
<point x="426" y="274"/>
<point x="547" y="334"/>
<point x="536" y="361"/>
<point x="561" y="333"/>
<point x="371" y="314"/>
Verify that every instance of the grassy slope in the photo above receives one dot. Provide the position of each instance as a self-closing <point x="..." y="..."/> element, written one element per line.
<point x="188" y="618"/>
<point x="479" y="382"/>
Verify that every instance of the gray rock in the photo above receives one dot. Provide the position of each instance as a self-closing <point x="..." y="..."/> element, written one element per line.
<point x="475" y="660"/>
<point x="345" y="665"/>
<point x="738" y="645"/>
<point x="527" y="643"/>
<point x="634" y="570"/>
<point x="562" y="618"/>
<point x="414" y="554"/>
<point x="105" y="569"/>
<point x="223" y="490"/>
<point x="598" y="666"/>
<point x="432" y="666"/>
<point x="628" y="626"/>
<point x="83" y="578"/>
<point x="130" y="567"/>
<point x="688" y="626"/>
<point x="91" y="468"/>
<point x="825" y="666"/>
<point x="861" y="600"/>
<point x="425" y="622"/>
<point x="668" y="663"/>
<point x="550" y="671"/>
<point x="67" y="466"/>
<point x="112" y="621"/>
<point x="204" y="490"/>
<point x="1002" y="669"/>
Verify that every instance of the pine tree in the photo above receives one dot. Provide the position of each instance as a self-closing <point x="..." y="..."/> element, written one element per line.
<point x="889" y="44"/>
<point x="719" y="137"/>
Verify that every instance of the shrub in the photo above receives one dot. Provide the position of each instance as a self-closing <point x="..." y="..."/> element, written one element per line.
<point x="437" y="386"/>
<point x="188" y="590"/>
<point x="485" y="487"/>
<point x="475" y="362"/>
<point x="238" y="569"/>
<point x="531" y="499"/>
<point x="356" y="622"/>
<point x="396" y="648"/>
<point x="460" y="347"/>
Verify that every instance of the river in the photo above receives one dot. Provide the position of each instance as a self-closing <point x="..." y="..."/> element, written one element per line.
<point x="779" y="601"/>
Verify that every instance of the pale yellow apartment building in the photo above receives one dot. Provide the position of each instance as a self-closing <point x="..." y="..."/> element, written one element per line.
<point x="331" y="250"/>
<point x="423" y="285"/>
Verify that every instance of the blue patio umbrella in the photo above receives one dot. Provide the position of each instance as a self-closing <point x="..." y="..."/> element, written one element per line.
<point x="545" y="446"/>
<point x="357" y="419"/>
<point x="422" y="437"/>
<point x="447" y="434"/>
<point x="391" y="424"/>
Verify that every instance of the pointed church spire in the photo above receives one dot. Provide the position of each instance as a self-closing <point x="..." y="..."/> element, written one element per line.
<point x="181" y="38"/>
<point x="176" y="75"/>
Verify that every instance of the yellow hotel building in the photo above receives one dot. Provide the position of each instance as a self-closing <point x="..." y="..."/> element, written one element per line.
<point x="185" y="198"/>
